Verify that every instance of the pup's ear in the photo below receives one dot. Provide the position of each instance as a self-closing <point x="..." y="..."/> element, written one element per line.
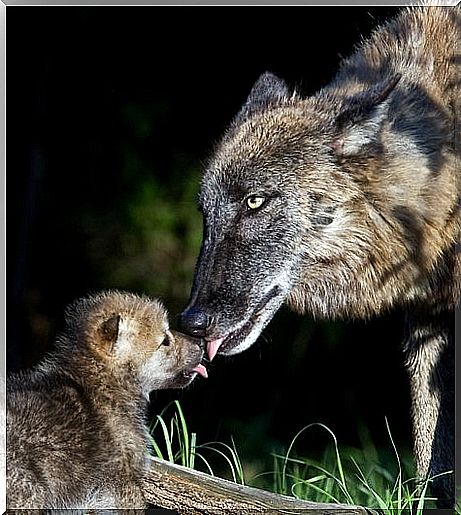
<point x="109" y="332"/>
<point x="360" y="121"/>
<point x="267" y="91"/>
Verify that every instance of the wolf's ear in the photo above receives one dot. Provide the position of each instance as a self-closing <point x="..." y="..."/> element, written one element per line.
<point x="109" y="332"/>
<point x="361" y="119"/>
<point x="267" y="91"/>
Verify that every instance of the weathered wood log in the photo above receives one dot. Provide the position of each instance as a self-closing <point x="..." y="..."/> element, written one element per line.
<point x="190" y="492"/>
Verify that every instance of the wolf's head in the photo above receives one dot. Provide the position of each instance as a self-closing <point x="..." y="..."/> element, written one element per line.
<point x="284" y="215"/>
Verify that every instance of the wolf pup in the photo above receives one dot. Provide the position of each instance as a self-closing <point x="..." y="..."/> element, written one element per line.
<point x="345" y="204"/>
<point x="75" y="431"/>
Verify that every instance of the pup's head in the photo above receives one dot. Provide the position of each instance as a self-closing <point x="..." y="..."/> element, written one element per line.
<point x="126" y="332"/>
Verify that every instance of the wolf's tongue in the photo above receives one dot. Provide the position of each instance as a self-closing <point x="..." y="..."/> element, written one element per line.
<point x="200" y="369"/>
<point x="213" y="346"/>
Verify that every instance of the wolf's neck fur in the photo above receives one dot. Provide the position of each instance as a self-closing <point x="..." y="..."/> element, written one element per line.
<point x="409" y="250"/>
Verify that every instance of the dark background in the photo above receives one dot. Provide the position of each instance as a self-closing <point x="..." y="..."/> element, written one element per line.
<point x="110" y="113"/>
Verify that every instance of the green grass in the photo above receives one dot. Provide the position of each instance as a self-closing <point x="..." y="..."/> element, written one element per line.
<point x="172" y="441"/>
<point x="360" y="479"/>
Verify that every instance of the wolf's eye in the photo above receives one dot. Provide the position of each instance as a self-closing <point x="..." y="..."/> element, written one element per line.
<point x="255" y="201"/>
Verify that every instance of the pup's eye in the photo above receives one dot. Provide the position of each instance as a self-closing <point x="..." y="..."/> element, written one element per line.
<point x="255" y="201"/>
<point x="166" y="341"/>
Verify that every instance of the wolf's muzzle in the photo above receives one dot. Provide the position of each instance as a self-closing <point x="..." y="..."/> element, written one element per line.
<point x="194" y="322"/>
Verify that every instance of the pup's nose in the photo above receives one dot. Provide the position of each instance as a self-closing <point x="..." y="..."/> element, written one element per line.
<point x="193" y="321"/>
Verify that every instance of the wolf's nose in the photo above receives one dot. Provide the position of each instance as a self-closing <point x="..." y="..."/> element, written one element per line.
<point x="194" y="322"/>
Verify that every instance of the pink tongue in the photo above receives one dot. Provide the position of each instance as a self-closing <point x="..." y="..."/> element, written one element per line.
<point x="200" y="369"/>
<point x="212" y="347"/>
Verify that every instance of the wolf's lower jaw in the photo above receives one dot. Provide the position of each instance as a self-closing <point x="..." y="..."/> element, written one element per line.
<point x="245" y="335"/>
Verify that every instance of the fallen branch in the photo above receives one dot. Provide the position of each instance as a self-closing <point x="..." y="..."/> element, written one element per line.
<point x="190" y="492"/>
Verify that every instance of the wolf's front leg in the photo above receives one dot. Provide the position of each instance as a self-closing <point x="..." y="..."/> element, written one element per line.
<point x="430" y="361"/>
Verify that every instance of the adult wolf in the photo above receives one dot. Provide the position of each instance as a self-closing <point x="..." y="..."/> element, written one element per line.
<point x="345" y="204"/>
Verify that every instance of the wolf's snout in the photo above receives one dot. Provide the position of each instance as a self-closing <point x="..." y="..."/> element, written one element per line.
<point x="194" y="321"/>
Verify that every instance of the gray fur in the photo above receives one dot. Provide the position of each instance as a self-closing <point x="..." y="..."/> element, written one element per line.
<point x="362" y="190"/>
<point x="75" y="424"/>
